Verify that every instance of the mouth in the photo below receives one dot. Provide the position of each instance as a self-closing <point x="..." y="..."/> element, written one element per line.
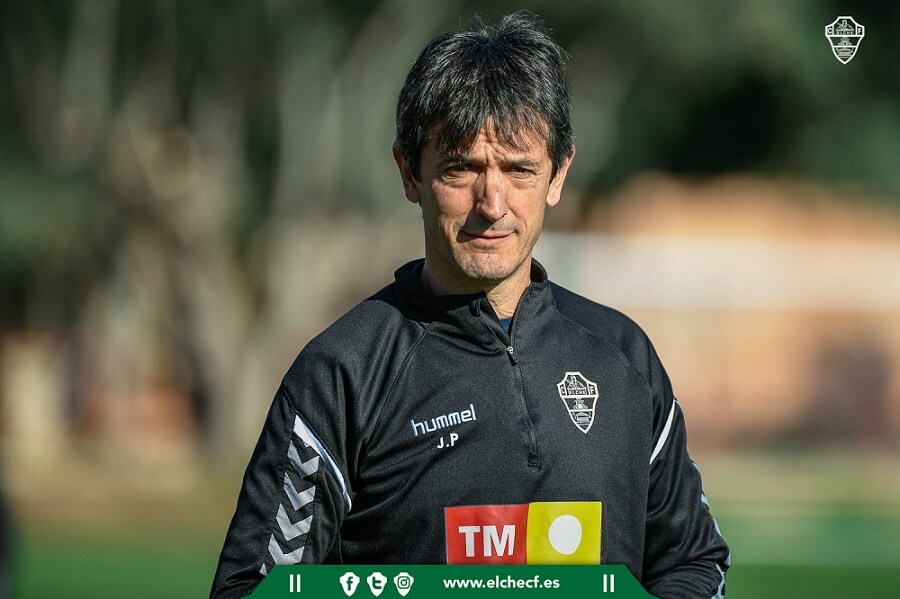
<point x="487" y="238"/>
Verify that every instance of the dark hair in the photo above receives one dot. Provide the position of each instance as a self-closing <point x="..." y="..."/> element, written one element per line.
<point x="513" y="73"/>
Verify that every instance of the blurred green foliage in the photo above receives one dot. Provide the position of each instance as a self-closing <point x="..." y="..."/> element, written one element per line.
<point x="51" y="565"/>
<point x="159" y="159"/>
<point x="696" y="88"/>
<point x="155" y="156"/>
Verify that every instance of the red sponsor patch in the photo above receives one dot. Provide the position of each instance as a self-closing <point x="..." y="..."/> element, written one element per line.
<point x="486" y="534"/>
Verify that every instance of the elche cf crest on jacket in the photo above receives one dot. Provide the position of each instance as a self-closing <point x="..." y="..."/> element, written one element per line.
<point x="580" y="396"/>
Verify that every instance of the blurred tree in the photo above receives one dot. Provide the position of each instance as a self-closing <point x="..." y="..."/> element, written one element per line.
<point x="164" y="166"/>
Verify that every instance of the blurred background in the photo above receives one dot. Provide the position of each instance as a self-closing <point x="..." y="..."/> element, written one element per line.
<point x="189" y="191"/>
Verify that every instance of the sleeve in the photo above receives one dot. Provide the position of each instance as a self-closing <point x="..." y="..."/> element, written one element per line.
<point x="295" y="492"/>
<point x="685" y="555"/>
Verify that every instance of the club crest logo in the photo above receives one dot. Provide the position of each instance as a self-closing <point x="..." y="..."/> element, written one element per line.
<point x="580" y="396"/>
<point x="844" y="35"/>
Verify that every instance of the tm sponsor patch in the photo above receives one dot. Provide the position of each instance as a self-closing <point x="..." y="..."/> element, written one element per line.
<point x="555" y="532"/>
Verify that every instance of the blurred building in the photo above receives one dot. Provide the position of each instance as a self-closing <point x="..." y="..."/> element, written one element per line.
<point x="774" y="305"/>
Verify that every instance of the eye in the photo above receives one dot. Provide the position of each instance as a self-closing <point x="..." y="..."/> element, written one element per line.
<point x="456" y="169"/>
<point x="521" y="171"/>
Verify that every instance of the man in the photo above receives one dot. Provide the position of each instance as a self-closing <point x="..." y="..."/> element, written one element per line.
<point x="472" y="411"/>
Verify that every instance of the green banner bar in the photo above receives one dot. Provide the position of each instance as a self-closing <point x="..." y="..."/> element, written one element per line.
<point x="390" y="582"/>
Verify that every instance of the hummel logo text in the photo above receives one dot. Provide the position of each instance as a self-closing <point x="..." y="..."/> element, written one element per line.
<point x="443" y="421"/>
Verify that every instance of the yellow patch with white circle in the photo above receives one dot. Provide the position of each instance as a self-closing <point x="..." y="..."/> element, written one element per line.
<point x="564" y="532"/>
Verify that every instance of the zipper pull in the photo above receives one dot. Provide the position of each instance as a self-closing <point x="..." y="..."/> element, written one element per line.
<point x="510" y="355"/>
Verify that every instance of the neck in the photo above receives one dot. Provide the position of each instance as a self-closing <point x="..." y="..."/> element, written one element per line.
<point x="503" y="295"/>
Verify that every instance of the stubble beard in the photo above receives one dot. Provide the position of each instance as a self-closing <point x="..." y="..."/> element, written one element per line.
<point x="486" y="267"/>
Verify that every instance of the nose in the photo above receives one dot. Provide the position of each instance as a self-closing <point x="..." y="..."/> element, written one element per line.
<point x="490" y="201"/>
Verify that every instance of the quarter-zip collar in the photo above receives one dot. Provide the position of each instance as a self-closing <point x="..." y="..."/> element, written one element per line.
<point x="469" y="315"/>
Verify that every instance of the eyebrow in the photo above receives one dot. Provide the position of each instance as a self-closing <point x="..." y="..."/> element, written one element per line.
<point x="527" y="162"/>
<point x="452" y="159"/>
<point x="464" y="159"/>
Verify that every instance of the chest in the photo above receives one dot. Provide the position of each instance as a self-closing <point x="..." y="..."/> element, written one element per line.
<point x="563" y="420"/>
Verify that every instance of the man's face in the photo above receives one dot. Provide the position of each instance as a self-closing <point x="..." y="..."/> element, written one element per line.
<point x="483" y="210"/>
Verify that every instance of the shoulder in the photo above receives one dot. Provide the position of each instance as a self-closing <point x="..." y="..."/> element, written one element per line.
<point x="608" y="324"/>
<point x="629" y="339"/>
<point x="359" y="340"/>
<point x="368" y="321"/>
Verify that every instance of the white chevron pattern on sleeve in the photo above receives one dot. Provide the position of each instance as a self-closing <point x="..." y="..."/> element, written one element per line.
<point x="289" y="529"/>
<point x="292" y="530"/>
<point x="303" y="468"/>
<point x="298" y="500"/>
<point x="302" y="430"/>
<point x="280" y="557"/>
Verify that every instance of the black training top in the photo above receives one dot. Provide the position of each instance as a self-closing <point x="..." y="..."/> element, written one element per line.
<point x="416" y="430"/>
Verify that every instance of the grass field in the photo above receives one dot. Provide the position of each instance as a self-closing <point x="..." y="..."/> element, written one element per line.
<point x="54" y="566"/>
<point x="116" y="571"/>
<point x="830" y="530"/>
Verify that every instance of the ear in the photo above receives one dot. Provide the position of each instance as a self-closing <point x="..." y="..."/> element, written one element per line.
<point x="410" y="184"/>
<point x="556" y="184"/>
